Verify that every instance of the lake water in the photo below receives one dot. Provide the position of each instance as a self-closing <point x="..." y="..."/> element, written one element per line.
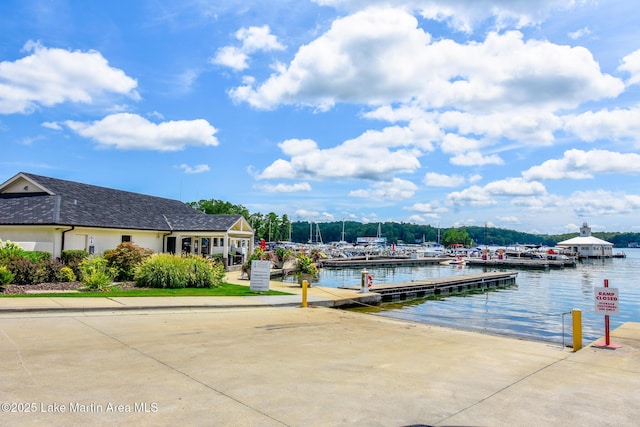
<point x="532" y="309"/>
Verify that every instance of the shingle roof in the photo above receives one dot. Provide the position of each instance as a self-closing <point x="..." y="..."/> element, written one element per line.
<point x="74" y="203"/>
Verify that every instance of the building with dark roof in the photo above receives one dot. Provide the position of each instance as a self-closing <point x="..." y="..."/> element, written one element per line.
<point x="49" y="214"/>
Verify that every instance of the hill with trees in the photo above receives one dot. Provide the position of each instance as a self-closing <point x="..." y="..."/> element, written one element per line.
<point x="273" y="227"/>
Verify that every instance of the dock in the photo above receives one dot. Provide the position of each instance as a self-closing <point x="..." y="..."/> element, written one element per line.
<point x="378" y="262"/>
<point x="520" y="263"/>
<point x="441" y="286"/>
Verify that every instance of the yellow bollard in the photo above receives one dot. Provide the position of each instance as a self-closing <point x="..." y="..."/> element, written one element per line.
<point x="576" y="316"/>
<point x="305" y="285"/>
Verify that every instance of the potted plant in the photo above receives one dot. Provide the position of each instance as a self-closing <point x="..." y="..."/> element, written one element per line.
<point x="280" y="256"/>
<point x="305" y="269"/>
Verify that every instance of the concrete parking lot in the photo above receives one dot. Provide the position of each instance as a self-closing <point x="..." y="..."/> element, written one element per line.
<point x="299" y="367"/>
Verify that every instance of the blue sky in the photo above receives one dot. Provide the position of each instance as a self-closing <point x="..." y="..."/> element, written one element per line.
<point x="521" y="114"/>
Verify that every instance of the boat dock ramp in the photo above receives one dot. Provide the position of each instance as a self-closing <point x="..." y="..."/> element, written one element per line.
<point x="441" y="286"/>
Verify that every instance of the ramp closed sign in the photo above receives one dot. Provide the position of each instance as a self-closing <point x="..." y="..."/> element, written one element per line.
<point x="606" y="301"/>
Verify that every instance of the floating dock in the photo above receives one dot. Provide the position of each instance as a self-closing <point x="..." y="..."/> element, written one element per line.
<point x="441" y="286"/>
<point x="378" y="262"/>
<point x="520" y="263"/>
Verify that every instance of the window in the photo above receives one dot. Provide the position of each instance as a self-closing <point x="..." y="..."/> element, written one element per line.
<point x="126" y="238"/>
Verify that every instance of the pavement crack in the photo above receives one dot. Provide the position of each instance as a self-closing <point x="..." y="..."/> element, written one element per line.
<point x="19" y="354"/>
<point x="495" y="393"/>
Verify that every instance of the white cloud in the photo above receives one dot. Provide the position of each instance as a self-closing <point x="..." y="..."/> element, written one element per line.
<point x="253" y="39"/>
<point x="485" y="196"/>
<point x="509" y="219"/>
<point x="369" y="156"/>
<point x="441" y="180"/>
<point x="591" y="204"/>
<point x="578" y="164"/>
<point x="127" y="131"/>
<point x="258" y="39"/>
<point x="380" y="56"/>
<point x="464" y="15"/>
<point x="286" y="188"/>
<point x="531" y="126"/>
<point x="53" y="76"/>
<point x="195" y="169"/>
<point x="231" y="57"/>
<point x="309" y="215"/>
<point x="475" y="159"/>
<point x="472" y="196"/>
<point x="578" y="34"/>
<point x="51" y="125"/>
<point x="515" y="187"/>
<point x="618" y="124"/>
<point x="631" y="64"/>
<point x="397" y="189"/>
<point x="422" y="219"/>
<point x="426" y="208"/>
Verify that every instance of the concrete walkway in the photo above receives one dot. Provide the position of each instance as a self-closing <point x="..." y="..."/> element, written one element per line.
<point x="247" y="362"/>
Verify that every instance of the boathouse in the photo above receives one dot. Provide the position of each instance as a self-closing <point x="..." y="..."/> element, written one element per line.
<point x="587" y="246"/>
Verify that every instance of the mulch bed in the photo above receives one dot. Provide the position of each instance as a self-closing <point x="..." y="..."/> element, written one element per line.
<point x="55" y="287"/>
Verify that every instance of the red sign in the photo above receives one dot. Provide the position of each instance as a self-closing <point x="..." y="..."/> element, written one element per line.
<point x="606" y="301"/>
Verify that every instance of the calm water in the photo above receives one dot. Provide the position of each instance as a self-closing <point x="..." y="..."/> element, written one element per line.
<point x="531" y="309"/>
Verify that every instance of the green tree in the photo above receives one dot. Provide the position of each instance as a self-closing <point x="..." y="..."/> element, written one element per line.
<point x="456" y="235"/>
<point x="219" y="207"/>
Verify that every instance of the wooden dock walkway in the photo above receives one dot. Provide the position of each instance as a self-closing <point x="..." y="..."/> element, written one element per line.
<point x="440" y="286"/>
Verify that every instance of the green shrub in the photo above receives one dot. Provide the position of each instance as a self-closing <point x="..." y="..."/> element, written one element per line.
<point x="9" y="251"/>
<point x="66" y="274"/>
<point x="96" y="273"/>
<point x="72" y="259"/>
<point x="50" y="270"/>
<point x="38" y="256"/>
<point x="173" y="271"/>
<point x="161" y="271"/>
<point x="202" y="273"/>
<point x="125" y="258"/>
<point x="6" y="277"/>
<point x="26" y="272"/>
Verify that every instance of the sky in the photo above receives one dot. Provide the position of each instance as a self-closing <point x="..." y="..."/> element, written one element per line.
<point x="518" y="114"/>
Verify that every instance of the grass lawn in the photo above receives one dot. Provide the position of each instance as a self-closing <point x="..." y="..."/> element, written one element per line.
<point x="224" y="290"/>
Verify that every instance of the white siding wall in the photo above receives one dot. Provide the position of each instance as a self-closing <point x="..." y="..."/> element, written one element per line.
<point x="48" y="238"/>
<point x="38" y="238"/>
<point x="104" y="239"/>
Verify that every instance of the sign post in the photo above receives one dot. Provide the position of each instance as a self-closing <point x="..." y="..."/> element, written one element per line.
<point x="260" y="275"/>
<point x="606" y="303"/>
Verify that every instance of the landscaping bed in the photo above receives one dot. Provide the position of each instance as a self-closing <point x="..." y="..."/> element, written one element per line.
<point x="55" y="287"/>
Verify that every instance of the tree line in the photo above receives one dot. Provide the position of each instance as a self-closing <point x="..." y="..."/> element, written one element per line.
<point x="272" y="228"/>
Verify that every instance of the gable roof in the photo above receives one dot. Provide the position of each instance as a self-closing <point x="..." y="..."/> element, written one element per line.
<point x="28" y="199"/>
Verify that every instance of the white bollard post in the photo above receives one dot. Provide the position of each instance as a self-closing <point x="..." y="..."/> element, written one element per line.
<point x="364" y="288"/>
